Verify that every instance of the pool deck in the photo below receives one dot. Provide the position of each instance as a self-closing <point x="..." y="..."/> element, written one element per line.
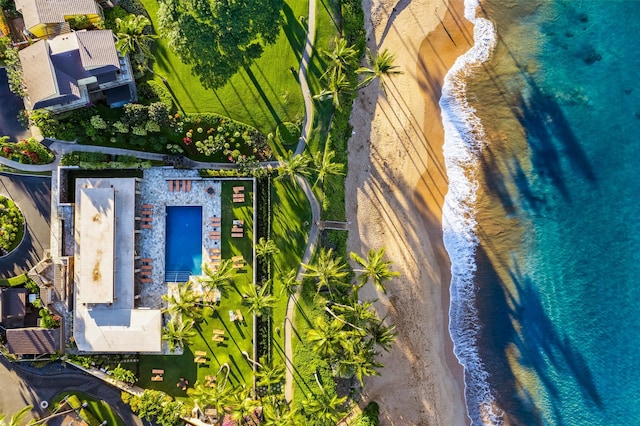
<point x="155" y="189"/>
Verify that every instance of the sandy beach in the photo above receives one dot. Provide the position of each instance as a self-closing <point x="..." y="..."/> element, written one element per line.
<point x="395" y="189"/>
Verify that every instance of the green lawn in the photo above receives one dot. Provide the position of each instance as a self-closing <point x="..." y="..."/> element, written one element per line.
<point x="100" y="409"/>
<point x="291" y="220"/>
<point x="239" y="335"/>
<point x="262" y="96"/>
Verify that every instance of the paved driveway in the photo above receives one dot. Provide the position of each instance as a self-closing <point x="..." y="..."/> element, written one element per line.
<point x="33" y="196"/>
<point x="21" y="385"/>
<point x="10" y="106"/>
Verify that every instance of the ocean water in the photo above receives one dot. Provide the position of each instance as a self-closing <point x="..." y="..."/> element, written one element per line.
<point x="542" y="218"/>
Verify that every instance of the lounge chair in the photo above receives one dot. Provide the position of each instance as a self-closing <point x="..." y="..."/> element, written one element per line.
<point x="188" y="185"/>
<point x="145" y="280"/>
<point x="239" y="316"/>
<point x="147" y="219"/>
<point x="147" y="267"/>
<point x="157" y="378"/>
<point x="217" y="338"/>
<point x="232" y="315"/>
<point x="146" y="260"/>
<point x="238" y="189"/>
<point x="146" y="226"/>
<point x="236" y="235"/>
<point x="218" y="332"/>
<point x="147" y="206"/>
<point x="157" y="371"/>
<point x="200" y="353"/>
<point x="171" y="186"/>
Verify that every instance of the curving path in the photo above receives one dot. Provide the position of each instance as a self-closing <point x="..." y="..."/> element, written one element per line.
<point x="315" y="205"/>
<point x="20" y="386"/>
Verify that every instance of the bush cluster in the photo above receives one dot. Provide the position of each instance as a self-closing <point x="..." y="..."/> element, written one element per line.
<point x="11" y="225"/>
<point x="28" y="151"/>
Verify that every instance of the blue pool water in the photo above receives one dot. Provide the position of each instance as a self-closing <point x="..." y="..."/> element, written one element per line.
<point x="183" y="241"/>
<point x="544" y="239"/>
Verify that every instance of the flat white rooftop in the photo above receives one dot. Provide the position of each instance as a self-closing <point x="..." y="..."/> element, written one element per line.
<point x="95" y="219"/>
<point x="105" y="320"/>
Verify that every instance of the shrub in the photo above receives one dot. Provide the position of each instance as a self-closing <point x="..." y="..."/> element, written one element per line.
<point x="288" y="133"/>
<point x="133" y="6"/>
<point x="159" y="113"/>
<point x="11" y="225"/>
<point x="369" y="416"/>
<point x="98" y="122"/>
<point x="123" y="375"/>
<point x="136" y="114"/>
<point x="160" y="92"/>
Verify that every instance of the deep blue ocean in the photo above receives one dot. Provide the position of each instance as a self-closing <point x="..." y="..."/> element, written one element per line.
<point x="546" y="317"/>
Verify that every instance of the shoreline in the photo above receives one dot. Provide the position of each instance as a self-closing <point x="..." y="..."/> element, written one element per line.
<point x="395" y="194"/>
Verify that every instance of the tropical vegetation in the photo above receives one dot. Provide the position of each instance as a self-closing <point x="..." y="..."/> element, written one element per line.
<point x="11" y="225"/>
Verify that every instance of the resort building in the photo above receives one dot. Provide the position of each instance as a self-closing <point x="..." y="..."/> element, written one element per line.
<point x="105" y="318"/>
<point x="120" y="240"/>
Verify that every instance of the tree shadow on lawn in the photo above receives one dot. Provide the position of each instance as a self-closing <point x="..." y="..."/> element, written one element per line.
<point x="296" y="33"/>
<point x="262" y="94"/>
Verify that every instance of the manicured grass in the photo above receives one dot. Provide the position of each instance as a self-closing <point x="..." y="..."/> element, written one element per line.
<point x="263" y="95"/>
<point x="238" y="336"/>
<point x="15" y="281"/>
<point x="100" y="409"/>
<point x="290" y="223"/>
<point x="306" y="361"/>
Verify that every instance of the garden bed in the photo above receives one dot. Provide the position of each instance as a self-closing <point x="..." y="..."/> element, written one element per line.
<point x="11" y="226"/>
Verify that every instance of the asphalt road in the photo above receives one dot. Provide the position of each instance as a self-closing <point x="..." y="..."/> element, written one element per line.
<point x="21" y="385"/>
<point x="33" y="197"/>
<point x="10" y="106"/>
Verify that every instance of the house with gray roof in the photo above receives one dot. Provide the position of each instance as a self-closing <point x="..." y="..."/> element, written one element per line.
<point x="74" y="70"/>
<point x="12" y="307"/>
<point x="33" y="341"/>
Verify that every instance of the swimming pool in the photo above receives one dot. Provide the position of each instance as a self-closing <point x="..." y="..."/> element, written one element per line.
<point x="183" y="244"/>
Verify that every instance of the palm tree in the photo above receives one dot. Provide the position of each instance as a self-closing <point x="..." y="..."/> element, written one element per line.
<point x="327" y="337"/>
<point x="375" y="269"/>
<point x="324" y="409"/>
<point x="380" y="67"/>
<point x="355" y="310"/>
<point x="382" y="335"/>
<point x="294" y="165"/>
<point x="340" y="58"/>
<point x="16" y="419"/>
<point x="242" y="407"/>
<point x="132" y="37"/>
<point x="266" y="248"/>
<point x="277" y="412"/>
<point x="218" y="397"/>
<point x="325" y="165"/>
<point x="359" y="360"/>
<point x="328" y="271"/>
<point x="217" y="278"/>
<point x="258" y="299"/>
<point x="177" y="333"/>
<point x="183" y="303"/>
<point x="337" y="85"/>
<point x="288" y="282"/>
<point x="269" y="375"/>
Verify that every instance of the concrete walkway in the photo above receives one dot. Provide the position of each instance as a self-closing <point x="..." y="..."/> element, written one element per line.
<point x="315" y="205"/>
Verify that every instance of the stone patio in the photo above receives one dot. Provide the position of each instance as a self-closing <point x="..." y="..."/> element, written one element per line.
<point x="155" y="190"/>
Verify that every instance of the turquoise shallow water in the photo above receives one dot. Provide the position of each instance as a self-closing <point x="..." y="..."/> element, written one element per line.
<point x="557" y="342"/>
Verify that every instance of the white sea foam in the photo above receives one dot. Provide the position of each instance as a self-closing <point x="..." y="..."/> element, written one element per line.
<point x="464" y="138"/>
